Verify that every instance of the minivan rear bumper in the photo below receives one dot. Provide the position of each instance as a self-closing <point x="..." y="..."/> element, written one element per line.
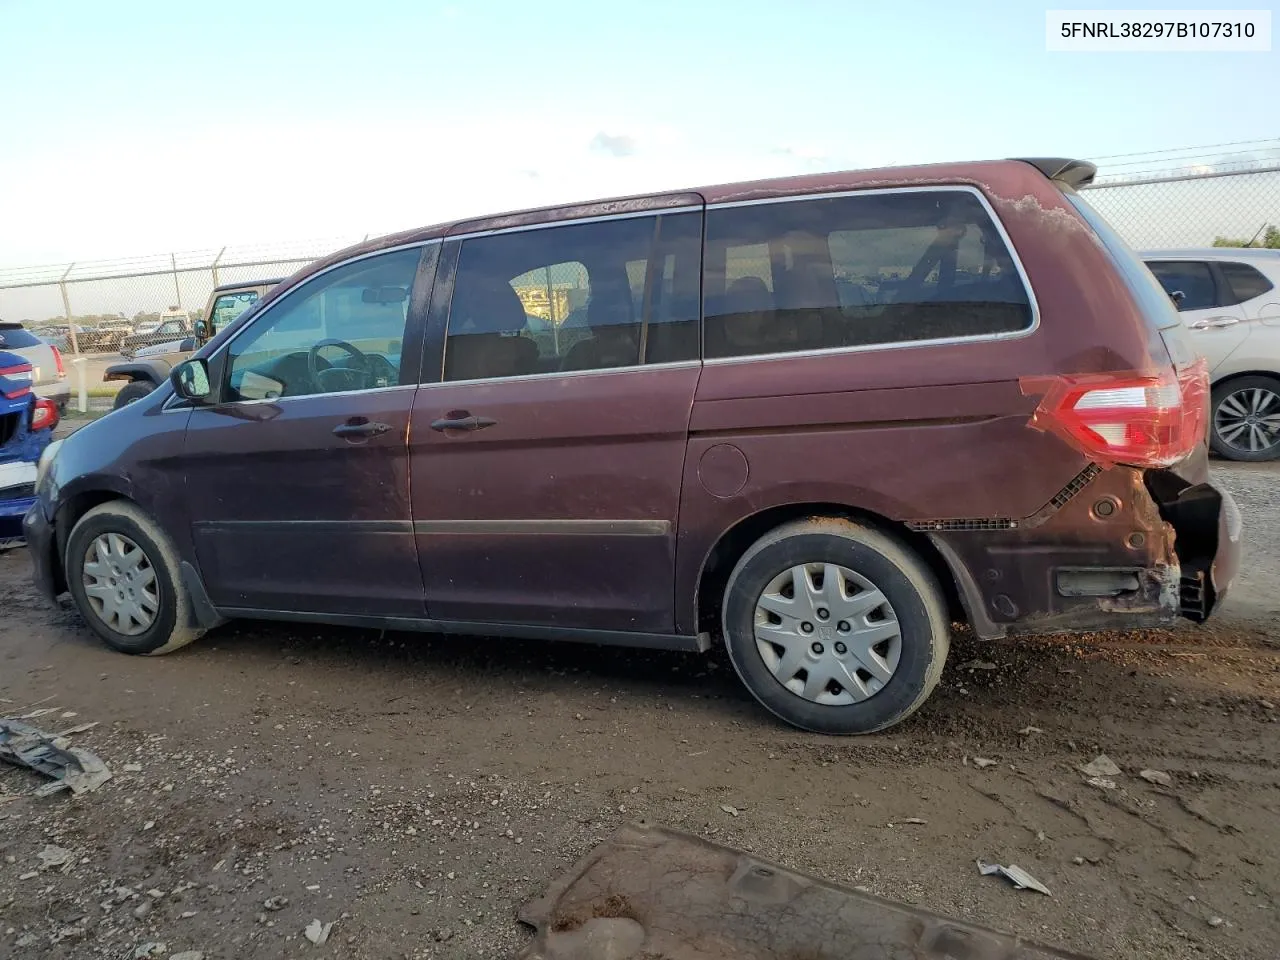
<point x="1128" y="549"/>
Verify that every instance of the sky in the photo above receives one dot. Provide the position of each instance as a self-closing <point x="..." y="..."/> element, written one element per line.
<point x="136" y="127"/>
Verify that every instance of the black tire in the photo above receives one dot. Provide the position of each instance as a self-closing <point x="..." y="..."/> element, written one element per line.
<point x="174" y="625"/>
<point x="1222" y="393"/>
<point x="910" y="588"/>
<point x="131" y="391"/>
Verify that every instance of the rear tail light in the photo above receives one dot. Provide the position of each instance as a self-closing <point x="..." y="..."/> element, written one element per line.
<point x="57" y="358"/>
<point x="1143" y="420"/>
<point x="19" y="380"/>
<point x="44" y="415"/>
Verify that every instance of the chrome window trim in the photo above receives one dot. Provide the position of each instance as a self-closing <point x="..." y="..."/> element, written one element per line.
<point x="901" y="344"/>
<point x="575" y="221"/>
<point x="673" y="365"/>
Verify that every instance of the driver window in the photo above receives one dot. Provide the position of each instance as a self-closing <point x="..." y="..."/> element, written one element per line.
<point x="342" y="331"/>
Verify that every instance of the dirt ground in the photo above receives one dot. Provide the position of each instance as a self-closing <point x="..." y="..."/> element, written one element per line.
<point x="416" y="790"/>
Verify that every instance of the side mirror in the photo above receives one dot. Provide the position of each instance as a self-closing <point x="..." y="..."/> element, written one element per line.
<point x="201" y="330"/>
<point x="190" y="380"/>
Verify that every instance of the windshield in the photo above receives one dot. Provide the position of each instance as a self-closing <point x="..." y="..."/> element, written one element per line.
<point x="1155" y="303"/>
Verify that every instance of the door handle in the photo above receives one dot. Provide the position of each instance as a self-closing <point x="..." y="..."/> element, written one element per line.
<point x="461" y="420"/>
<point x="358" y="428"/>
<point x="1214" y="322"/>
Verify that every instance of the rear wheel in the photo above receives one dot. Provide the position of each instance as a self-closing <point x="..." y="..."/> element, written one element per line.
<point x="835" y="627"/>
<point x="1246" y="419"/>
<point x="131" y="391"/>
<point x="122" y="571"/>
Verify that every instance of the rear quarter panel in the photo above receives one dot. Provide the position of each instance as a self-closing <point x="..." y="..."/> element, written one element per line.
<point x="922" y="432"/>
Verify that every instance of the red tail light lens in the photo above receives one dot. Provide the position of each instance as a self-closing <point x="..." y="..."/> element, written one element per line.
<point x="15" y="381"/>
<point x="57" y="359"/>
<point x="44" y="415"/>
<point x="1143" y="420"/>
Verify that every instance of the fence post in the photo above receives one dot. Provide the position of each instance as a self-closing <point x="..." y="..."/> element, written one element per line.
<point x="82" y="384"/>
<point x="214" y="268"/>
<point x="66" y="310"/>
<point x="173" y="262"/>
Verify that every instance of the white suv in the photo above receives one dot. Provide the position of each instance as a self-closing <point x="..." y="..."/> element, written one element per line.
<point x="1229" y="298"/>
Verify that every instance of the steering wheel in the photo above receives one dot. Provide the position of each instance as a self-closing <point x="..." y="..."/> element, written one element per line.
<point x="331" y="379"/>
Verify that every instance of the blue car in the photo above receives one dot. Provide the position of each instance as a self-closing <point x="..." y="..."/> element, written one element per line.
<point x="26" y="427"/>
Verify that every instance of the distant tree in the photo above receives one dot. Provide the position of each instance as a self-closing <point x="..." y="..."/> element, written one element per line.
<point x="1270" y="239"/>
<point x="139" y="317"/>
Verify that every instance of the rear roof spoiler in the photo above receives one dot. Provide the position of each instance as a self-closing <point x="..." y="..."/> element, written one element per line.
<point x="1074" y="173"/>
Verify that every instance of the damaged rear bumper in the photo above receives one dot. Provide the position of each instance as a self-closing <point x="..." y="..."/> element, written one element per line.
<point x="1128" y="549"/>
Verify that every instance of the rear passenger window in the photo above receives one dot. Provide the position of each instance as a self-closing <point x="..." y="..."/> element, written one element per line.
<point x="586" y="296"/>
<point x="1244" y="282"/>
<point x="856" y="271"/>
<point x="1191" y="277"/>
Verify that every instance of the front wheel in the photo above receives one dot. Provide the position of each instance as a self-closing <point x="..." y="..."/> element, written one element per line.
<point x="835" y="627"/>
<point x="122" y="571"/>
<point x="131" y="391"/>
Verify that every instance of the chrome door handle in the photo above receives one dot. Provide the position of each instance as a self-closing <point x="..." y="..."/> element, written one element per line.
<point x="1213" y="322"/>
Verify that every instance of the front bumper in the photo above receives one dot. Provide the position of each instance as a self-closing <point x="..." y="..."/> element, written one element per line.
<point x="42" y="547"/>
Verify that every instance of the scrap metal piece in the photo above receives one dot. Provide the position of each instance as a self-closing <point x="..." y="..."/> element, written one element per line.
<point x="70" y="769"/>
<point x="1019" y="877"/>
<point x="664" y="895"/>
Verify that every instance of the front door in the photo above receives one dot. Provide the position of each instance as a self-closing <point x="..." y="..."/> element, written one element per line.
<point x="547" y="457"/>
<point x="297" y="480"/>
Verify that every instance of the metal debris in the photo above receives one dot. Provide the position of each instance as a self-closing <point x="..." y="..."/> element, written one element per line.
<point x="70" y="769"/>
<point x="651" y="891"/>
<point x="1020" y="879"/>
<point x="1100" y="766"/>
<point x="1103" y="783"/>
<point x="1158" y="777"/>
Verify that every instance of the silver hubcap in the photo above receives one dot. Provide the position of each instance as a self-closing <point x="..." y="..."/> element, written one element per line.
<point x="1249" y="420"/>
<point x="120" y="584"/>
<point x="827" y="634"/>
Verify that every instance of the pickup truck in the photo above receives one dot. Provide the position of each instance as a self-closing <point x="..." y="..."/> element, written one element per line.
<point x="149" y="365"/>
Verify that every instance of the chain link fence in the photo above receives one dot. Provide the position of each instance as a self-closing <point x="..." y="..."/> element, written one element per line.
<point x="1192" y="209"/>
<point x="111" y="299"/>
<point x="107" y="300"/>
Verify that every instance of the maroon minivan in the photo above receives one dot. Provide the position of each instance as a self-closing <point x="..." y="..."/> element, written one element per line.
<point x="814" y="419"/>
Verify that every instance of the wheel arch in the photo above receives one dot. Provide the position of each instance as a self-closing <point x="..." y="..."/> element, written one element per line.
<point x="720" y="560"/>
<point x="69" y="513"/>
<point x="1241" y="374"/>
<point x="147" y="371"/>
